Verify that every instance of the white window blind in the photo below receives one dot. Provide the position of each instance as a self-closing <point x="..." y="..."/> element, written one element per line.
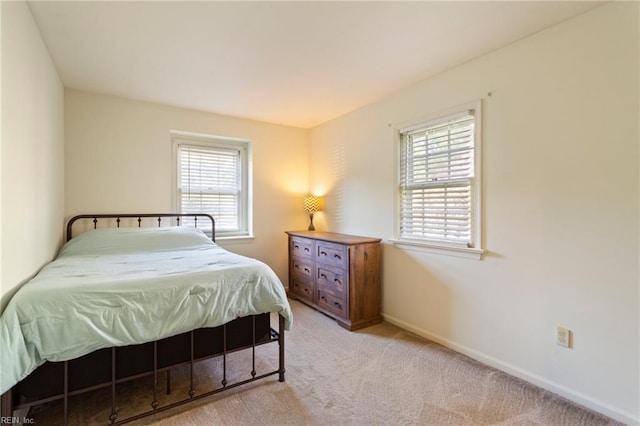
<point x="437" y="181"/>
<point x="210" y="181"/>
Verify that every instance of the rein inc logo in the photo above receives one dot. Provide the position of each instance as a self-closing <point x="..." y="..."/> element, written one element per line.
<point x="17" y="421"/>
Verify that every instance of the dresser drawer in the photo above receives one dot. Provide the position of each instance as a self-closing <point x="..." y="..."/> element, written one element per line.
<point x="332" y="280"/>
<point x="301" y="289"/>
<point x="301" y="247"/>
<point x="332" y="303"/>
<point x="302" y="268"/>
<point x="331" y="254"/>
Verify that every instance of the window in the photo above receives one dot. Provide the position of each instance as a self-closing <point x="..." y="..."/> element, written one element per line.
<point x="439" y="183"/>
<point x="212" y="175"/>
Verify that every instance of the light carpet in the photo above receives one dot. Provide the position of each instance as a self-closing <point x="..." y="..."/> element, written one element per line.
<point x="380" y="375"/>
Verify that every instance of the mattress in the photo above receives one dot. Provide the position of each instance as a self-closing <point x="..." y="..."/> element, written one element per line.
<point x="123" y="286"/>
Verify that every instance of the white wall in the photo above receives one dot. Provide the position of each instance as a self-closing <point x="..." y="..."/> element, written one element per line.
<point x="119" y="160"/>
<point x="561" y="216"/>
<point x="32" y="161"/>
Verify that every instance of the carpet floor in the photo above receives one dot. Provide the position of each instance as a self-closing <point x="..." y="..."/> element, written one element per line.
<point x="380" y="375"/>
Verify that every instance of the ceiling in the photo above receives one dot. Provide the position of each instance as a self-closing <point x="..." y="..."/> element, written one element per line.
<point x="293" y="63"/>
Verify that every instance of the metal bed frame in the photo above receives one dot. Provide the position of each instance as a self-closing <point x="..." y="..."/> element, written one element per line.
<point x="207" y="343"/>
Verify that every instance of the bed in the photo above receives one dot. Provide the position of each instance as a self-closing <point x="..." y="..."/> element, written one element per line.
<point x="120" y="303"/>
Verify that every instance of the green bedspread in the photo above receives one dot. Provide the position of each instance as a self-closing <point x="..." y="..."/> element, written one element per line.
<point x="123" y="286"/>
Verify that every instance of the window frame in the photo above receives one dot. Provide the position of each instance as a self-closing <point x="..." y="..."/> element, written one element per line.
<point x="434" y="245"/>
<point x="245" y="201"/>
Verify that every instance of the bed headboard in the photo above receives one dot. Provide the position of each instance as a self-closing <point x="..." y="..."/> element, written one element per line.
<point x="198" y="220"/>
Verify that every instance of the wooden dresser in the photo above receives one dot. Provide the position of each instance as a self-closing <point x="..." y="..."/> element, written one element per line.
<point x="336" y="274"/>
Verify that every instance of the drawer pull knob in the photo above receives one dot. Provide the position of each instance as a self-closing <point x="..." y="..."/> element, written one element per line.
<point x="324" y="253"/>
<point x="307" y="270"/>
<point x="337" y="256"/>
<point x="337" y="281"/>
<point x="323" y="276"/>
<point x="306" y="249"/>
<point x="337" y="305"/>
<point x="296" y="246"/>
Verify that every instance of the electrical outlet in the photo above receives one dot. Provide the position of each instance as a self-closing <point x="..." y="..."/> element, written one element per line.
<point x="563" y="336"/>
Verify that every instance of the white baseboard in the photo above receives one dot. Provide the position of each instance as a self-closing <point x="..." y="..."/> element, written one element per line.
<point x="540" y="381"/>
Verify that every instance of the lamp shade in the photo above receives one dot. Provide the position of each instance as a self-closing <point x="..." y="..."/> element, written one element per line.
<point x="311" y="203"/>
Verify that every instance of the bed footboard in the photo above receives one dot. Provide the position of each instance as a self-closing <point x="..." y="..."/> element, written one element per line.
<point x="221" y="342"/>
<point x="6" y="404"/>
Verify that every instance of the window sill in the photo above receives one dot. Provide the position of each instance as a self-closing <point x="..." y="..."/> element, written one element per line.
<point x="237" y="239"/>
<point x="464" y="252"/>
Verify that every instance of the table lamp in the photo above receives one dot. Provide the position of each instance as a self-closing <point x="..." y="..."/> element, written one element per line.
<point x="311" y="204"/>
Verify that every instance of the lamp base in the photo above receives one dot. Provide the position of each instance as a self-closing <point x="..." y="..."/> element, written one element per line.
<point x="311" y="227"/>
